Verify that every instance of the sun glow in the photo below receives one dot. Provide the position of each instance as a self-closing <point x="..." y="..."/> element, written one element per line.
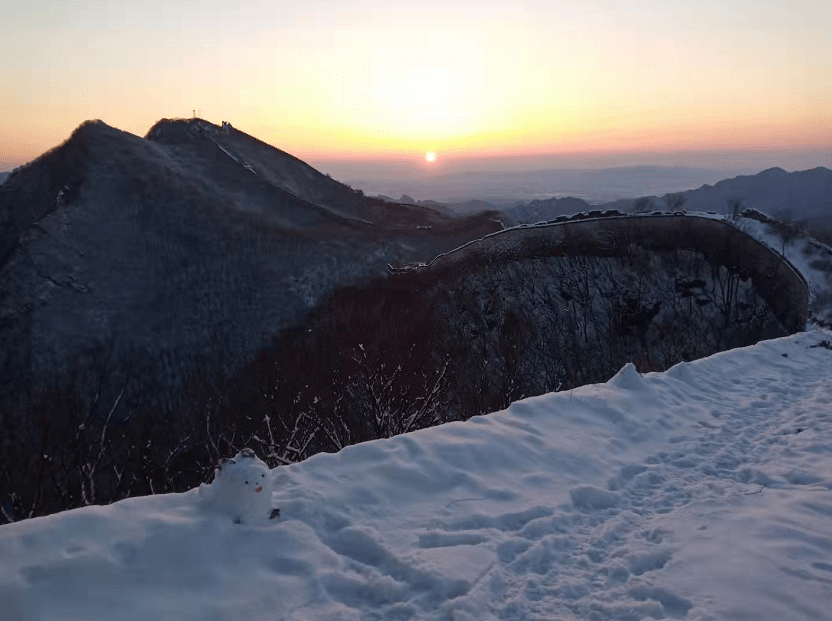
<point x="511" y="78"/>
<point x="430" y="156"/>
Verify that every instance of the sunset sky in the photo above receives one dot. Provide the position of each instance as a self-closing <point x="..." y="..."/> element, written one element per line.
<point x="373" y="79"/>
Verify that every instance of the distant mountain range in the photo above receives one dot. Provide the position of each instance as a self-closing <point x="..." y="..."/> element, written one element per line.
<point x="3" y="176"/>
<point x="540" y="210"/>
<point x="801" y="195"/>
<point x="507" y="187"/>
<point x="805" y="194"/>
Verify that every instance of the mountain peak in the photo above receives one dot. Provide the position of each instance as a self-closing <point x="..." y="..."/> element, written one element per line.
<point x="167" y="130"/>
<point x="774" y="171"/>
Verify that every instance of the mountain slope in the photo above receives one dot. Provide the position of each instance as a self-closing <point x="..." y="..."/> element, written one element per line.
<point x="176" y="247"/>
<point x="521" y="312"/>
<point x="472" y="206"/>
<point x="699" y="493"/>
<point x="800" y="195"/>
<point x="542" y="210"/>
<point x="290" y="174"/>
<point x="805" y="194"/>
<point x="262" y="161"/>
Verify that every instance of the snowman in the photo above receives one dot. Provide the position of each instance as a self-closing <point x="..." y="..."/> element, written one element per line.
<point x="242" y="488"/>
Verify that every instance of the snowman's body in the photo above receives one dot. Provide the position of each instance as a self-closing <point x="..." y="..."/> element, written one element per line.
<point x="242" y="488"/>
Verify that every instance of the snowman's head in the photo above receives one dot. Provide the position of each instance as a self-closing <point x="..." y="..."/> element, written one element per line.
<point x="242" y="486"/>
<point x="243" y="475"/>
<point x="255" y="479"/>
<point x="244" y="470"/>
<point x="251" y="470"/>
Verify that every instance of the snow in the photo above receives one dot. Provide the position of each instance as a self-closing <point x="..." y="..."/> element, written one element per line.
<point x="702" y="493"/>
<point x="242" y="489"/>
<point x="803" y="253"/>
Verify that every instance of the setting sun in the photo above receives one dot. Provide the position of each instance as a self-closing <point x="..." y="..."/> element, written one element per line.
<point x="339" y="82"/>
<point x="430" y="156"/>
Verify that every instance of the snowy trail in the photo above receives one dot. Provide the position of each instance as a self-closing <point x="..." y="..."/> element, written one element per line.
<point x="702" y="493"/>
<point x="594" y="564"/>
<point x="597" y="556"/>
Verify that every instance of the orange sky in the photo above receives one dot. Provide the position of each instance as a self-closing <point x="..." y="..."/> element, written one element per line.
<point x="364" y="79"/>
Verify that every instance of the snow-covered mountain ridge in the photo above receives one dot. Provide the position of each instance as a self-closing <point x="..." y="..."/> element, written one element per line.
<point x="195" y="238"/>
<point x="704" y="492"/>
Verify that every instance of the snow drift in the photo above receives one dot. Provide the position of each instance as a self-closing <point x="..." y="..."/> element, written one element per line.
<point x="702" y="493"/>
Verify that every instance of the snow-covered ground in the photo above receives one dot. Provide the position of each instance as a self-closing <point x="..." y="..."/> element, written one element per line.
<point x="701" y="493"/>
<point x="806" y="254"/>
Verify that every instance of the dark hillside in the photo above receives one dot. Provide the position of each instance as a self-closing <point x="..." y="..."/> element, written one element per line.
<point x="804" y="194"/>
<point x="292" y="175"/>
<point x="174" y="253"/>
<point x="542" y="210"/>
<point x="165" y="301"/>
<point x="801" y="195"/>
<point x="517" y="314"/>
<point x="32" y="192"/>
<point x="248" y="161"/>
<point x="721" y="245"/>
<point x="468" y="207"/>
<point x="520" y="313"/>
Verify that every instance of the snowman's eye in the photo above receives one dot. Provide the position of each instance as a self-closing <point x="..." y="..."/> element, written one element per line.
<point x="246" y="482"/>
<point x="263" y="475"/>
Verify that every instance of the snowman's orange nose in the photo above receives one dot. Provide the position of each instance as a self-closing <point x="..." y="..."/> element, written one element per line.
<point x="258" y="489"/>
